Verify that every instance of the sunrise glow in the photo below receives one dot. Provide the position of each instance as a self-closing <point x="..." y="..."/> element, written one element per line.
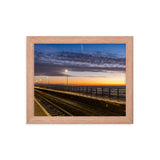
<point x="87" y="64"/>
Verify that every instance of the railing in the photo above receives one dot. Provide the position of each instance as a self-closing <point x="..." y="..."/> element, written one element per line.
<point x="110" y="92"/>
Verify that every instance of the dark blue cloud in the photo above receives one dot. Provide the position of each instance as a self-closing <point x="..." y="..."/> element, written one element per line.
<point x="54" y="63"/>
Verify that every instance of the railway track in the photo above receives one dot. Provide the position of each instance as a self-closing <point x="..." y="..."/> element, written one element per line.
<point x="50" y="107"/>
<point x="74" y="108"/>
<point x="57" y="105"/>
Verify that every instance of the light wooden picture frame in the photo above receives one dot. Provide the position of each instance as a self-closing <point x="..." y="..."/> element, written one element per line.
<point x="127" y="119"/>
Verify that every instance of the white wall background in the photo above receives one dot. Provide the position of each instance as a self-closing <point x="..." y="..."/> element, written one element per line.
<point x="19" y="19"/>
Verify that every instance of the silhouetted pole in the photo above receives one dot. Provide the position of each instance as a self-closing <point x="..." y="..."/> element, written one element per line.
<point x="66" y="70"/>
<point x="91" y="91"/>
<point x="67" y="81"/>
<point x="118" y="92"/>
<point x="102" y="91"/>
<point x="47" y="82"/>
<point x="87" y="90"/>
<point x="109" y="93"/>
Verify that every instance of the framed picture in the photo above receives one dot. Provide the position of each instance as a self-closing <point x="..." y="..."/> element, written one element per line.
<point x="79" y="79"/>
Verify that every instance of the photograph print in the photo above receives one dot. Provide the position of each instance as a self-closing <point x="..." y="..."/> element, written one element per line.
<point x="79" y="79"/>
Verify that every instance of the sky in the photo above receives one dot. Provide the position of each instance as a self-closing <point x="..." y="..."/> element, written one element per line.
<point x="87" y="64"/>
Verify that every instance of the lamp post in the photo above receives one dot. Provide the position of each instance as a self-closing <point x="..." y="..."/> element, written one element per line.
<point x="66" y="70"/>
<point x="47" y="82"/>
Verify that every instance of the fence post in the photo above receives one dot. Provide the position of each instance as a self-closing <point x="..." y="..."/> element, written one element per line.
<point x="117" y="92"/>
<point x="109" y="92"/>
<point x="102" y="91"/>
<point x="87" y="90"/>
<point x="91" y="91"/>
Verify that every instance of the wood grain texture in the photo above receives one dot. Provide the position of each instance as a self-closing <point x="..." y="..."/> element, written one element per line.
<point x="128" y="40"/>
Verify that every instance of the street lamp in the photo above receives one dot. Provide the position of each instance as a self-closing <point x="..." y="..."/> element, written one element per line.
<point x="66" y="70"/>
